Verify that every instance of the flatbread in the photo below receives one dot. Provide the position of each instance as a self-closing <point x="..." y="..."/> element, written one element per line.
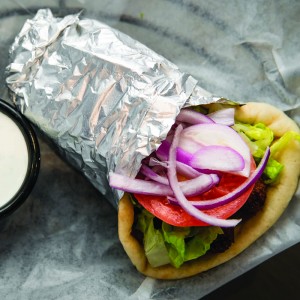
<point x="278" y="197"/>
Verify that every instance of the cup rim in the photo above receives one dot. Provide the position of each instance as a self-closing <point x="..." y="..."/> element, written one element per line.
<point x="34" y="158"/>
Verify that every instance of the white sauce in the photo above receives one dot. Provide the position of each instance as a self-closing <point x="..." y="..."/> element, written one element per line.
<point x="13" y="158"/>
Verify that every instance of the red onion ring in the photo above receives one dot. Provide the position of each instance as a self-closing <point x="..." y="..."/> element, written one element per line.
<point x="193" y="117"/>
<point x="217" y="134"/>
<point x="148" y="172"/>
<point x="223" y="116"/>
<point x="183" y="202"/>
<point x="192" y="187"/>
<point x="217" y="158"/>
<point x="209" y="204"/>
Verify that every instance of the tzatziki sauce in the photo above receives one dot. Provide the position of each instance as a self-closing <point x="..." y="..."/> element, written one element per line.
<point x="13" y="159"/>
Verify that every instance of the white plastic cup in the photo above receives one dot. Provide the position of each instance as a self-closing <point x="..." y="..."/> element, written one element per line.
<point x="19" y="159"/>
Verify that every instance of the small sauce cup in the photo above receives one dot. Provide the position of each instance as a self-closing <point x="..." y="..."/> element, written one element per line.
<point x="19" y="159"/>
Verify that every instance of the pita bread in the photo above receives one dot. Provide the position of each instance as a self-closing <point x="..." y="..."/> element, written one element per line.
<point x="278" y="197"/>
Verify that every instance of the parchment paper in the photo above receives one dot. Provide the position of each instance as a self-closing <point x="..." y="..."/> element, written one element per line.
<point x="62" y="243"/>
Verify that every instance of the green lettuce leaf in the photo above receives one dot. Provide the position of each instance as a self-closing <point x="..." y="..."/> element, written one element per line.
<point x="171" y="244"/>
<point x="154" y="244"/>
<point x="200" y="243"/>
<point x="175" y="242"/>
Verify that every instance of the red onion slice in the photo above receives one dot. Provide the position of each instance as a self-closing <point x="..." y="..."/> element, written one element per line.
<point x="193" y="117"/>
<point x="148" y="172"/>
<point x="192" y="187"/>
<point x="138" y="186"/>
<point x="186" y="170"/>
<point x="197" y="186"/>
<point x="183" y="159"/>
<point x="163" y="150"/>
<point x="155" y="162"/>
<point x="215" y="178"/>
<point x="218" y="135"/>
<point x="208" y="204"/>
<point x="189" y="146"/>
<point x="183" y="202"/>
<point x="223" y="116"/>
<point x="181" y="155"/>
<point x="217" y="158"/>
<point x="182" y="168"/>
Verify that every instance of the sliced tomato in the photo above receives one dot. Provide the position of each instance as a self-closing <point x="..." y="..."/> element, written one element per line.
<point x="175" y="215"/>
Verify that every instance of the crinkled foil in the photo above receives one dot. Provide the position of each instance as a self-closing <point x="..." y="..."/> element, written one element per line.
<point x="104" y="99"/>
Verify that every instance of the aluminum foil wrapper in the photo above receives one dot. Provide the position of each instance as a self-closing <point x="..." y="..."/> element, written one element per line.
<point x="106" y="100"/>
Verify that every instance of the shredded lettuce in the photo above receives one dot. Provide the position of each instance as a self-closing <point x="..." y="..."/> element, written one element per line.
<point x="282" y="142"/>
<point x="259" y="137"/>
<point x="272" y="170"/>
<point x="171" y="244"/>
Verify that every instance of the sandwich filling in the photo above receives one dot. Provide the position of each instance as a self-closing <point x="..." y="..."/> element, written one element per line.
<point x="223" y="168"/>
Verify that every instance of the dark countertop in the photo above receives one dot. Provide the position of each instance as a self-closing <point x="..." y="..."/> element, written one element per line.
<point x="274" y="279"/>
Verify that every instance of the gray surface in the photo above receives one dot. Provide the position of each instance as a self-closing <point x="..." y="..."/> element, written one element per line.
<point x="62" y="243"/>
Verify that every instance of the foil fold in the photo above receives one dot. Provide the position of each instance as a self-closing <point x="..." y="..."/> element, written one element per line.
<point x="104" y="99"/>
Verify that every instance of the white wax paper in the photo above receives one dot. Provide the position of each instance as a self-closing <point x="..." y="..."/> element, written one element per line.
<point x="62" y="243"/>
